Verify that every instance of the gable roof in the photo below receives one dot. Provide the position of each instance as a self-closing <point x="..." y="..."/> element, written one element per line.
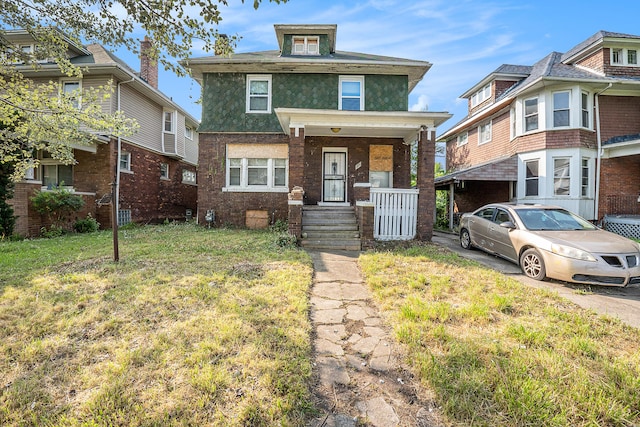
<point x="593" y="43"/>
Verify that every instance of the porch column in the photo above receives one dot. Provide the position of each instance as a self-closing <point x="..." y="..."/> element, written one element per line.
<point x="427" y="196"/>
<point x="296" y="157"/>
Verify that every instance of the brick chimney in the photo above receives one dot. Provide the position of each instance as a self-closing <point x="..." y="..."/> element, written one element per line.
<point x="148" y="66"/>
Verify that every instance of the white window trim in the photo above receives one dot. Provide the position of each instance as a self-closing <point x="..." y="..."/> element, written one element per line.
<point x="128" y="161"/>
<point x="305" y="50"/>
<point x="481" y="95"/>
<point x="359" y="79"/>
<point x="588" y="186"/>
<point x="569" y="159"/>
<point x="624" y="52"/>
<point x="258" y="77"/>
<point x="554" y="109"/>
<point x="167" y="177"/>
<point x="188" y="133"/>
<point x="63" y="81"/>
<point x="189" y="173"/>
<point x="525" y="116"/>
<point x="489" y="125"/>
<point x="460" y="138"/>
<point x="587" y="109"/>
<point x="244" y="178"/>
<point x="173" y="121"/>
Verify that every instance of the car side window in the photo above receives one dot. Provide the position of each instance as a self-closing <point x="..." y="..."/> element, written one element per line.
<point x="502" y="216"/>
<point x="486" y="213"/>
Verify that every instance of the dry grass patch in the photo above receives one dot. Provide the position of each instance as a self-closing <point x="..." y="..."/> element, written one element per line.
<point x="499" y="353"/>
<point x="192" y="327"/>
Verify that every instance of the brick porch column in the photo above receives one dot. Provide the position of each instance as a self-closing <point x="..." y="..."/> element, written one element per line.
<point x="296" y="157"/>
<point x="295" y="212"/>
<point x="364" y="212"/>
<point x="427" y="196"/>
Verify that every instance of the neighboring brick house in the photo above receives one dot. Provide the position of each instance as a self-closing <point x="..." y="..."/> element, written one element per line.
<point x="156" y="166"/>
<point x="565" y="131"/>
<point x="331" y="123"/>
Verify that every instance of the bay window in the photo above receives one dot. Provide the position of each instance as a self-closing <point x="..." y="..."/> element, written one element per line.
<point x="561" y="109"/>
<point x="561" y="176"/>
<point x="532" y="178"/>
<point x="531" y="114"/>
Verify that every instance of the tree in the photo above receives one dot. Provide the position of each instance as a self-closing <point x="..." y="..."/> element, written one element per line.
<point x="33" y="116"/>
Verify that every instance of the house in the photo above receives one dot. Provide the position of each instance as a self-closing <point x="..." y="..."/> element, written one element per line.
<point x="156" y="167"/>
<point x="289" y="133"/>
<point x="563" y="131"/>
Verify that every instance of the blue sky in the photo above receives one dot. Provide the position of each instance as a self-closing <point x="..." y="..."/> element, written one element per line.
<point x="464" y="39"/>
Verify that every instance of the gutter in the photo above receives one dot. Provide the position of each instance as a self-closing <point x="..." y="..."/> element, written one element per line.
<point x="599" y="154"/>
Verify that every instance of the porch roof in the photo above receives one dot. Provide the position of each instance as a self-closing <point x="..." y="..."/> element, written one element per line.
<point x="503" y="169"/>
<point x="368" y="124"/>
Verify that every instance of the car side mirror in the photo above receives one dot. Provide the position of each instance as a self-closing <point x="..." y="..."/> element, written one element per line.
<point x="508" y="224"/>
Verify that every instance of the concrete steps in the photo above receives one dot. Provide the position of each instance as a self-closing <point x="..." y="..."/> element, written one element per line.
<point x="330" y="228"/>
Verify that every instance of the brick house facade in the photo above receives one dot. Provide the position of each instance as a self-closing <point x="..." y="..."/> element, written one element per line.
<point x="307" y="121"/>
<point x="166" y="143"/>
<point x="565" y="131"/>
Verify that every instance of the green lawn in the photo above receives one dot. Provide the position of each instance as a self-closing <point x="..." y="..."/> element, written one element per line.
<point x="198" y="326"/>
<point x="193" y="326"/>
<point x="499" y="353"/>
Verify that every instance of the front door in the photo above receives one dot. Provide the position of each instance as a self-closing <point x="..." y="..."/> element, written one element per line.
<point x="334" y="177"/>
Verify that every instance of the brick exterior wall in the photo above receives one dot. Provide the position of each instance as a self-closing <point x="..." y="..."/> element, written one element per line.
<point x="569" y="138"/>
<point x="479" y="193"/>
<point x="619" y="115"/>
<point x="230" y="207"/>
<point x="619" y="186"/>
<point x="358" y="153"/>
<point x="425" y="177"/>
<point x="500" y="87"/>
<point x="151" y="199"/>
<point x="472" y="154"/>
<point x="596" y="61"/>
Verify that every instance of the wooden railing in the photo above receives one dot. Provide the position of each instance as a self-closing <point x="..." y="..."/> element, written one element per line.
<point x="395" y="213"/>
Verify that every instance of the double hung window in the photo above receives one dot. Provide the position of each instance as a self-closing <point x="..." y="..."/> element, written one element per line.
<point x="561" y="109"/>
<point x="351" y="96"/>
<point x="463" y="138"/>
<point x="258" y="94"/>
<point x="561" y="176"/>
<point x="532" y="178"/>
<point x="71" y="90"/>
<point x="530" y="114"/>
<point x="484" y="133"/>
<point x="257" y="173"/>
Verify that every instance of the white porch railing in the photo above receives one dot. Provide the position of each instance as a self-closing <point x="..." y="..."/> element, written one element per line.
<point x="395" y="213"/>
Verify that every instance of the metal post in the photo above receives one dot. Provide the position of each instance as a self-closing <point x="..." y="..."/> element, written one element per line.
<point x="114" y="222"/>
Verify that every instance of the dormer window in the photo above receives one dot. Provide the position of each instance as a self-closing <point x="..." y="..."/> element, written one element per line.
<point x="482" y="95"/>
<point x="305" y="46"/>
<point x="620" y="56"/>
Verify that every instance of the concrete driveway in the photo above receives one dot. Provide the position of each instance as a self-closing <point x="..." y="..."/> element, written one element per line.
<point x="623" y="303"/>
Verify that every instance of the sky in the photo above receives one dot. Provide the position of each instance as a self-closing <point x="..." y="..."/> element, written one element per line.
<point x="464" y="40"/>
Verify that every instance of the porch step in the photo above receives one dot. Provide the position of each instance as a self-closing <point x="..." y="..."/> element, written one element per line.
<point x="330" y="228"/>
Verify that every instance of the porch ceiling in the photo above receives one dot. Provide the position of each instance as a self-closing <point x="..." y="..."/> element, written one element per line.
<point x="367" y="124"/>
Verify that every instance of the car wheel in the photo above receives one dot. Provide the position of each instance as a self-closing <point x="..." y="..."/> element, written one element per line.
<point x="465" y="239"/>
<point x="532" y="264"/>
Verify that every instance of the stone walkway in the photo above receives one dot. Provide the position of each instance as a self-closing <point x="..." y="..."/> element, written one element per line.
<point x="358" y="368"/>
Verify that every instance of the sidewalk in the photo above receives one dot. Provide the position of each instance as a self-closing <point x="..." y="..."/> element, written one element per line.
<point x="359" y="371"/>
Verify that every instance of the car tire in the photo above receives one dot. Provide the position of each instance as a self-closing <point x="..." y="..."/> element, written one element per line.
<point x="465" y="239"/>
<point x="532" y="264"/>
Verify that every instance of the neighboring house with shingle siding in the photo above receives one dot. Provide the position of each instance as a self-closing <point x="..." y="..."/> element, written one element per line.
<point x="565" y="131"/>
<point x="156" y="166"/>
<point x="329" y="124"/>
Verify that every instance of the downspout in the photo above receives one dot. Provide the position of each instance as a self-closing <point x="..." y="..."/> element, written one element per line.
<point x="117" y="180"/>
<point x="599" y="153"/>
<point x="116" y="186"/>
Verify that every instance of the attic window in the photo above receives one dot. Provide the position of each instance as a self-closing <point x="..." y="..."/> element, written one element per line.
<point x="482" y="95"/>
<point x="621" y="56"/>
<point x="305" y="46"/>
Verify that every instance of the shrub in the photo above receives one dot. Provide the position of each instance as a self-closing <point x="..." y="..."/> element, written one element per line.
<point x="286" y="240"/>
<point x="57" y="205"/>
<point x="86" y="225"/>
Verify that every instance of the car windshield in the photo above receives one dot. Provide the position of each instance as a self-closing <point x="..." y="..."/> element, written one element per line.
<point x="552" y="219"/>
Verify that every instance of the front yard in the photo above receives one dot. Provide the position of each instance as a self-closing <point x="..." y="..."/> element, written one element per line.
<point x="198" y="326"/>
<point x="192" y="327"/>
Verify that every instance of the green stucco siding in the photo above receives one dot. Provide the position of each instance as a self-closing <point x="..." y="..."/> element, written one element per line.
<point x="224" y="98"/>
